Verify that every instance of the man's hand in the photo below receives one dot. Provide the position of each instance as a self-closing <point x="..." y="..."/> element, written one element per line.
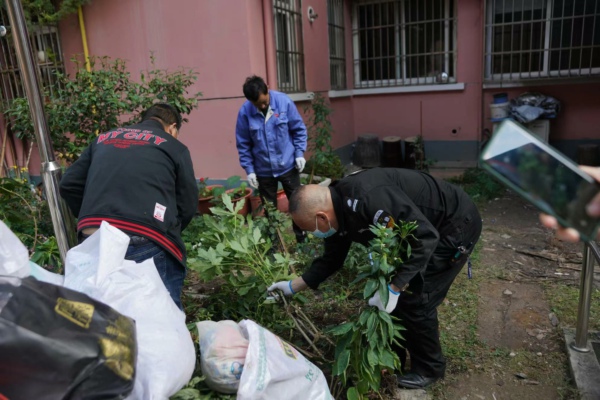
<point x="392" y="301"/>
<point x="252" y="180"/>
<point x="300" y="163"/>
<point x="592" y="208"/>
<point x="284" y="286"/>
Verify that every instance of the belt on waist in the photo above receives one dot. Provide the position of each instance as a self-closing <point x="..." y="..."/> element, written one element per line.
<point x="137" y="240"/>
<point x="133" y="240"/>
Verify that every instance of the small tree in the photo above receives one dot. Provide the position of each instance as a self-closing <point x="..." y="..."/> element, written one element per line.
<point x="40" y="12"/>
<point x="323" y="161"/>
<point x="364" y="346"/>
<point x="101" y="99"/>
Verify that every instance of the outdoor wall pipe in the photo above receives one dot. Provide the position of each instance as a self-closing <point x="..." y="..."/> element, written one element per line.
<point x="590" y="254"/>
<point x="86" y="53"/>
<point x="270" y="57"/>
<point x="51" y="171"/>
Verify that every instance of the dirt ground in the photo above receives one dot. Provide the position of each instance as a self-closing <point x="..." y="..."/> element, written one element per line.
<point x="519" y="351"/>
<point x="517" y="256"/>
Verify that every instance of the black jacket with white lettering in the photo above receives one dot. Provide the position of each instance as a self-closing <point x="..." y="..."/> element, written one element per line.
<point x="381" y="195"/>
<point x="139" y="179"/>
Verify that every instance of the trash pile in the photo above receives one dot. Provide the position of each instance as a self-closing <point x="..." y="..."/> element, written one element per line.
<point x="531" y="106"/>
<point x="251" y="361"/>
<point x="108" y="328"/>
<point x="102" y="294"/>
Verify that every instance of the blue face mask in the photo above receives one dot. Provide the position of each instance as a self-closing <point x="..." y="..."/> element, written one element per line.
<point x="323" y="235"/>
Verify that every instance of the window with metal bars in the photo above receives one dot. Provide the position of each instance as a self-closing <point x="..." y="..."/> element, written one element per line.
<point x="45" y="44"/>
<point x="538" y="39"/>
<point x="337" y="52"/>
<point x="288" y="45"/>
<point x="403" y="42"/>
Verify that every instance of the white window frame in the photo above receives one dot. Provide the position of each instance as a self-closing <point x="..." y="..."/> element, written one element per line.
<point x="546" y="72"/>
<point x="401" y="57"/>
<point x="294" y="53"/>
<point x="336" y="26"/>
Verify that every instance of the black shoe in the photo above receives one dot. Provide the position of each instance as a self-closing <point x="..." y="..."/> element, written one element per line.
<point x="415" y="381"/>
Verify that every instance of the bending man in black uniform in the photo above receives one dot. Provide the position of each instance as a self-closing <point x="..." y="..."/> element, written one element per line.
<point x="448" y="225"/>
<point x="139" y="179"/>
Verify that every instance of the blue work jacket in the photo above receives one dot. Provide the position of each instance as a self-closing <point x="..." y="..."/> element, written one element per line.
<point x="270" y="147"/>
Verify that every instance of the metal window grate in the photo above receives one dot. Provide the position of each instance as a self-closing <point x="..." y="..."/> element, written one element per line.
<point x="403" y="42"/>
<point x="45" y="44"/>
<point x="540" y="39"/>
<point x="288" y="45"/>
<point x="337" y="52"/>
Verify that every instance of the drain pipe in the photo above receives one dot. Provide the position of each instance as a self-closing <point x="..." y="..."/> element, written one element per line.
<point x="590" y="254"/>
<point x="51" y="170"/>
<point x="84" y="42"/>
<point x="269" y="34"/>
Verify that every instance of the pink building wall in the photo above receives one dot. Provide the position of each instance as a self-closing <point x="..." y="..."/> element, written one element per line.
<point x="190" y="34"/>
<point x="579" y="116"/>
<point x="225" y="42"/>
<point x="445" y="117"/>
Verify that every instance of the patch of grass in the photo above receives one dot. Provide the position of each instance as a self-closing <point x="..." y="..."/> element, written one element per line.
<point x="564" y="302"/>
<point x="467" y="355"/>
<point x="478" y="184"/>
<point x="458" y="320"/>
<point x="544" y="370"/>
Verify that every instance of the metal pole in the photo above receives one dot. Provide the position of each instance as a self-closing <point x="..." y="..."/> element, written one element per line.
<point x="51" y="171"/>
<point x="590" y="253"/>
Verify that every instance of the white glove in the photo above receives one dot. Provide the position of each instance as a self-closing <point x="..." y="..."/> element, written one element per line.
<point x="300" y="163"/>
<point x="284" y="286"/>
<point x="252" y="180"/>
<point x="392" y="301"/>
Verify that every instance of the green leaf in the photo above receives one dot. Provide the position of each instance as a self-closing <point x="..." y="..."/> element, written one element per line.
<point x="384" y="292"/>
<point x="386" y="317"/>
<point x="186" y="394"/>
<point x="237" y="247"/>
<point x="352" y="394"/>
<point x="372" y="358"/>
<point x="362" y="386"/>
<point x="242" y="291"/>
<point x="364" y="316"/>
<point x="370" y="288"/>
<point x="386" y="359"/>
<point x="360" y="277"/>
<point x="371" y="324"/>
<point x="256" y="236"/>
<point x="341" y="363"/>
<point x="341" y="329"/>
<point x="342" y="343"/>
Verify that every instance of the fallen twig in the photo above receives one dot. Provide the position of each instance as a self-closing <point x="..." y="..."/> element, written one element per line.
<point x="549" y="256"/>
<point x="304" y="326"/>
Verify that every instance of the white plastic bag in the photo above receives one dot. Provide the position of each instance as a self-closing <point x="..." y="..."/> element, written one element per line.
<point x="166" y="354"/>
<point x="223" y="350"/>
<point x="275" y="370"/>
<point x="14" y="259"/>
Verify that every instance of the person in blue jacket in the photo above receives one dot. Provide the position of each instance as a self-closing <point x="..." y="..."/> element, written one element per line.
<point x="271" y="141"/>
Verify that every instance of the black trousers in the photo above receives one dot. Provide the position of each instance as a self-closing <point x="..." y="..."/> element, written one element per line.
<point x="418" y="311"/>
<point x="267" y="187"/>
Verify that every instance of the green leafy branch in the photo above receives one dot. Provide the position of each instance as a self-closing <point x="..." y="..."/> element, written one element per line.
<point x="364" y="348"/>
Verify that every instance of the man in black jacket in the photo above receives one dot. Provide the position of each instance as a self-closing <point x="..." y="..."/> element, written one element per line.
<point x="449" y="225"/>
<point x="140" y="179"/>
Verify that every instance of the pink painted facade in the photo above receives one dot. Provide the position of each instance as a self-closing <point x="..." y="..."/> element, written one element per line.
<point x="227" y="40"/>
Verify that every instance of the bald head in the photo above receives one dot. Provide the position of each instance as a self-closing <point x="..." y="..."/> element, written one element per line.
<point x="309" y="202"/>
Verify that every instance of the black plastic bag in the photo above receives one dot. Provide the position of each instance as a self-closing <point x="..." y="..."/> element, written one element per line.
<point x="56" y="343"/>
<point x="531" y="106"/>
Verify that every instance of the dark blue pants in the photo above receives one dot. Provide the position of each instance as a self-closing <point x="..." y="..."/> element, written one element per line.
<point x="418" y="310"/>
<point x="267" y="187"/>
